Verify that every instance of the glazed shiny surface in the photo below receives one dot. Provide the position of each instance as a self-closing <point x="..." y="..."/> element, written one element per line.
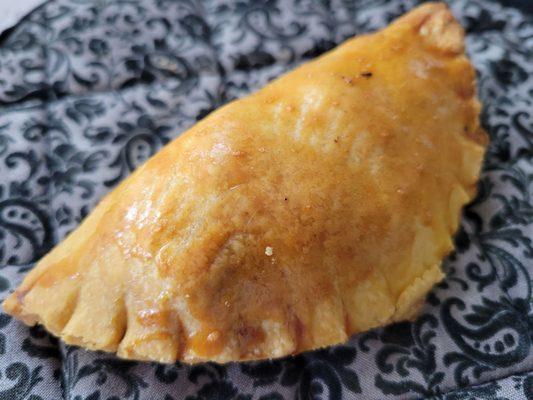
<point x="316" y="208"/>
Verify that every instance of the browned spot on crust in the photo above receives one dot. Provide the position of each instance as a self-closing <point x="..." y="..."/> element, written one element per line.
<point x="299" y="330"/>
<point x="479" y="136"/>
<point x="207" y="342"/>
<point x="250" y="339"/>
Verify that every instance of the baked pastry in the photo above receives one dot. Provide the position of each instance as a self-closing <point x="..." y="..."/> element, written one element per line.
<point x="316" y="208"/>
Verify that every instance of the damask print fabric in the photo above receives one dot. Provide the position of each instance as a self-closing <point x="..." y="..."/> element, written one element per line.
<point x="13" y="12"/>
<point x="89" y="90"/>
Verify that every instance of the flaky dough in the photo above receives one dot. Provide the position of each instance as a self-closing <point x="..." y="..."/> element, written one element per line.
<point x="316" y="208"/>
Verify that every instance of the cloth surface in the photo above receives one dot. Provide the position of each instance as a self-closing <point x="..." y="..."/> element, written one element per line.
<point x="90" y="89"/>
<point x="13" y="11"/>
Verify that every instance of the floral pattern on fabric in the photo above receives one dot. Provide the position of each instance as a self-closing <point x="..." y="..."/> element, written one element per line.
<point x="89" y="90"/>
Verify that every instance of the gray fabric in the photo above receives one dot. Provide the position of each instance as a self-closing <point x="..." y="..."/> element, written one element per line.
<point x="89" y="89"/>
<point x="12" y="12"/>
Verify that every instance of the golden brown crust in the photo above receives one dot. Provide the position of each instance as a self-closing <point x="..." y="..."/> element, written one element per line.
<point x="316" y="208"/>
<point x="437" y="28"/>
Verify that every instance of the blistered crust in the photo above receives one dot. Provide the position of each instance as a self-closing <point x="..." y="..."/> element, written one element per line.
<point x="319" y="207"/>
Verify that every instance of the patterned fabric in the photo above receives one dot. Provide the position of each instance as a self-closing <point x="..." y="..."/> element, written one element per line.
<point x="90" y="89"/>
<point x="13" y="12"/>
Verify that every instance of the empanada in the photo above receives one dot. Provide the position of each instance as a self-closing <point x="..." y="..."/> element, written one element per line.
<point x="316" y="208"/>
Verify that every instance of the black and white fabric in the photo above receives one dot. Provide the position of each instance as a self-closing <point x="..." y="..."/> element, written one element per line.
<point x="89" y="89"/>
